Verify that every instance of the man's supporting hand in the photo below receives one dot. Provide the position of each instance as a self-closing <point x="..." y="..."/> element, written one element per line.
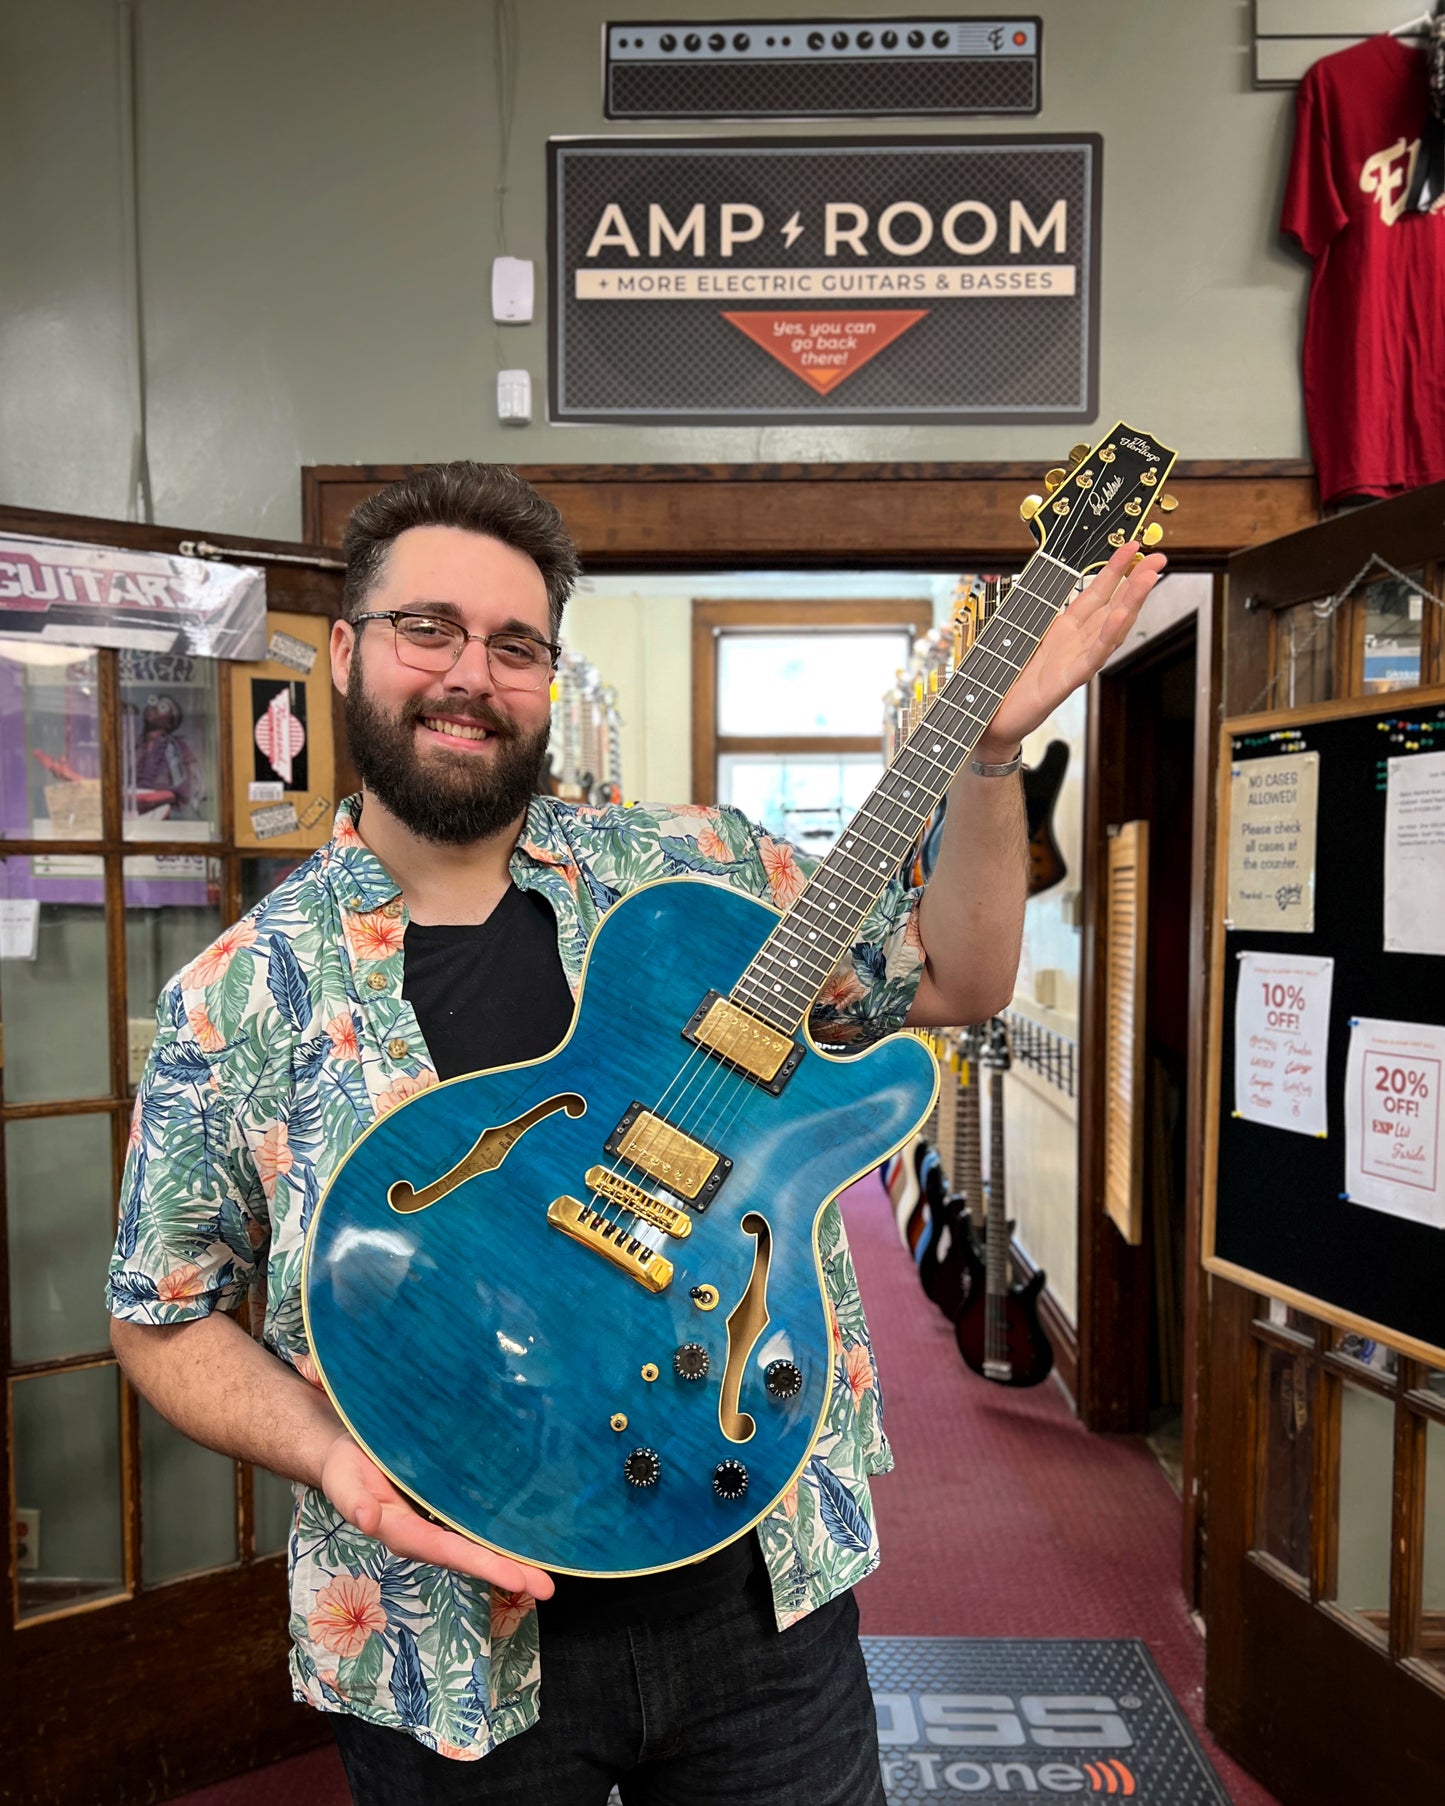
<point x="364" y="1496"/>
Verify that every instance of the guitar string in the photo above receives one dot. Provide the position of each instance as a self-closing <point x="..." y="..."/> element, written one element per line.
<point x="694" y="1109"/>
<point x="892" y="814"/>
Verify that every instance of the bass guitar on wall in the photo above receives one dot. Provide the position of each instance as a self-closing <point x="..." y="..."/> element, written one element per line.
<point x="998" y="1330"/>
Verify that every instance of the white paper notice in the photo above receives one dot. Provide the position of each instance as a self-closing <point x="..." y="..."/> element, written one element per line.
<point x="1281" y="1037"/>
<point x="19" y="928"/>
<point x="1392" y="1119"/>
<point x="1415" y="854"/>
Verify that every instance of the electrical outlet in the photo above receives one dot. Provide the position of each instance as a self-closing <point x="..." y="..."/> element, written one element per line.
<point x="27" y="1536"/>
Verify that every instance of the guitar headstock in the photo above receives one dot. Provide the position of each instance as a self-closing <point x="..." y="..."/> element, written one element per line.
<point x="996" y="1052"/>
<point x="1102" y="499"/>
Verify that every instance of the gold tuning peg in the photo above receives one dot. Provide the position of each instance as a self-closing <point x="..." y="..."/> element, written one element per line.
<point x="1168" y="503"/>
<point x="1138" y="558"/>
<point x="1152" y="534"/>
<point x="1078" y="453"/>
<point x="1053" y="478"/>
<point x="1030" y="506"/>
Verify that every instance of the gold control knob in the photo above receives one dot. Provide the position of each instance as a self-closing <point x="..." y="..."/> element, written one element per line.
<point x="649" y="1372"/>
<point x="618" y="1421"/>
<point x="1030" y="506"/>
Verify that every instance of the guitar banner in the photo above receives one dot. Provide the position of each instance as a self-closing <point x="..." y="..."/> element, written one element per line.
<point x="907" y="279"/>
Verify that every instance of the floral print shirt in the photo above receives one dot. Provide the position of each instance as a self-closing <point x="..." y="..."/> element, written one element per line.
<point x="276" y="1047"/>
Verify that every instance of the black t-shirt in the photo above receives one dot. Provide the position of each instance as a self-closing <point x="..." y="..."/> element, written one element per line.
<point x="492" y="994"/>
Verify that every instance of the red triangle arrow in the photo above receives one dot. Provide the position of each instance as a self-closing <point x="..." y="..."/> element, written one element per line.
<point x="825" y="347"/>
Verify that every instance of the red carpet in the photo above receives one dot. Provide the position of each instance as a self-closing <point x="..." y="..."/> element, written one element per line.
<point x="1004" y="1519"/>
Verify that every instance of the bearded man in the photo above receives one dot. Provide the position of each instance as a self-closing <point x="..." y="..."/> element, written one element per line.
<point x="442" y="930"/>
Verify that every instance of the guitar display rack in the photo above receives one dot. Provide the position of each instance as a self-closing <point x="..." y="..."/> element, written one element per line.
<point x="586" y="756"/>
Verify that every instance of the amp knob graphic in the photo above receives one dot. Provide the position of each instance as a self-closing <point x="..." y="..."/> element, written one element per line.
<point x="691" y="1362"/>
<point x="642" y="1467"/>
<point x="730" y="1479"/>
<point x="782" y="1379"/>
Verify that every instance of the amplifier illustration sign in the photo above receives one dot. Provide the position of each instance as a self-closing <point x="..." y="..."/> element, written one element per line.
<point x="857" y="279"/>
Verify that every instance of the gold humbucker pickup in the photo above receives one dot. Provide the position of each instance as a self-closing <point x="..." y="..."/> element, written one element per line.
<point x="618" y="1190"/>
<point x="756" y="1049"/>
<point x="589" y="1227"/>
<point x="664" y="1153"/>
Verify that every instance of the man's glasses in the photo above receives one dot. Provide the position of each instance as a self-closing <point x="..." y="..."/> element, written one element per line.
<point x="516" y="660"/>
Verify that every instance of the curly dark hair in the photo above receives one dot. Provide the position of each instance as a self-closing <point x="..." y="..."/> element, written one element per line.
<point x="482" y="498"/>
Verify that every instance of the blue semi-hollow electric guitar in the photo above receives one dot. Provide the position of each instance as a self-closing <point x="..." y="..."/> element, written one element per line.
<point x="576" y="1308"/>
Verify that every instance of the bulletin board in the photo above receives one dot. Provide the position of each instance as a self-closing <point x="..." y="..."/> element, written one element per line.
<point x="283" y="750"/>
<point x="1300" y="975"/>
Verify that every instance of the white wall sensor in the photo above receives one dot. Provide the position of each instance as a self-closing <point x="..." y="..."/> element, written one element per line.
<point x="512" y="290"/>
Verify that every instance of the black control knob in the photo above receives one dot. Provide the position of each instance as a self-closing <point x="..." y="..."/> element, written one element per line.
<point x="782" y="1379"/>
<point x="730" y="1479"/>
<point x="691" y="1362"/>
<point x="668" y="41"/>
<point x="642" y="1467"/>
<point x="890" y="40"/>
<point x="915" y="40"/>
<point x="865" y="40"/>
<point x="816" y="40"/>
<point x="716" y="41"/>
<point x="741" y="40"/>
<point x="692" y="41"/>
<point x="941" y="40"/>
<point x="840" y="40"/>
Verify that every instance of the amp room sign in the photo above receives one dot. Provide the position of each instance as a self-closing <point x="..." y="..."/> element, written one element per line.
<point x="762" y="281"/>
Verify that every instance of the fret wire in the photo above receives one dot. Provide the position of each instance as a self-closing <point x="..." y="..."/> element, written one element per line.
<point x="954" y="726"/>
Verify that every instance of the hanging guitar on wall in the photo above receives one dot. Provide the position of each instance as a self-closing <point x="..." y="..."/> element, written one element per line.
<point x="946" y="1277"/>
<point x="998" y="1330"/>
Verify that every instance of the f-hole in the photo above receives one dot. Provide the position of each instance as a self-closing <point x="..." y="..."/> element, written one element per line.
<point x="748" y="1320"/>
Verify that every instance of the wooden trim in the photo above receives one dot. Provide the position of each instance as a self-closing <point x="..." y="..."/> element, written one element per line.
<point x="786" y="744"/>
<point x="1311" y="561"/>
<point x="1407" y="1532"/>
<point x="1328" y="1313"/>
<point x="714" y="615"/>
<point x="1125" y="967"/>
<point x="1057" y="1326"/>
<point x="1326" y="1394"/>
<point x="797" y="516"/>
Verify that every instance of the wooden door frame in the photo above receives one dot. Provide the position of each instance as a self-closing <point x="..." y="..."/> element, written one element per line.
<point x="166" y="1663"/>
<point x="1113" y="1281"/>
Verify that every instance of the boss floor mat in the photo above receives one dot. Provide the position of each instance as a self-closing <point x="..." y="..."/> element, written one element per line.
<point x="995" y="1719"/>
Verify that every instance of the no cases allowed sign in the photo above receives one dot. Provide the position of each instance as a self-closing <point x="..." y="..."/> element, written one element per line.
<point x="861" y="279"/>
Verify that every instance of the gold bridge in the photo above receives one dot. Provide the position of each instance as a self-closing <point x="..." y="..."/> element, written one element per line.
<point x="611" y="1241"/>
<point x="618" y="1190"/>
<point x="681" y="1164"/>
<point x="485" y="1155"/>
<point x="764" y="1053"/>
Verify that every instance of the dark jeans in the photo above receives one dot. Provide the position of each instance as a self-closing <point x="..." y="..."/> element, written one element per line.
<point x="716" y="1708"/>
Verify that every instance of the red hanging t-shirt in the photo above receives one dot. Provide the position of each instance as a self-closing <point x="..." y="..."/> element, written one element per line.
<point x="1374" y="348"/>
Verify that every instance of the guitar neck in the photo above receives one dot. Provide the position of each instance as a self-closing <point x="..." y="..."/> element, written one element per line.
<point x="998" y="1236"/>
<point x="969" y="1176"/>
<point x="785" y="976"/>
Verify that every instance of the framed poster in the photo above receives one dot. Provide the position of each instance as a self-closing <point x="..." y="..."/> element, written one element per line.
<point x="283" y="754"/>
<point x="769" y="280"/>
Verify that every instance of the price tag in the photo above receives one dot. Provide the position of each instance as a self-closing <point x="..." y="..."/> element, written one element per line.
<point x="1281" y="1038"/>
